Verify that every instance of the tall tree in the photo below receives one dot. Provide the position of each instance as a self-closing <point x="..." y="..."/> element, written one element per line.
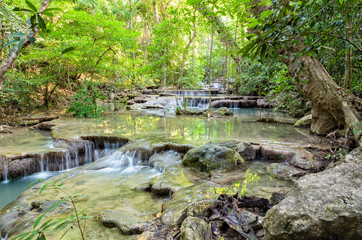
<point x="285" y="30"/>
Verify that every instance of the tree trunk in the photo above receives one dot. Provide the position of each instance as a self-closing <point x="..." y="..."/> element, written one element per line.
<point x="155" y="9"/>
<point x="211" y="70"/>
<point x="331" y="108"/>
<point x="9" y="61"/>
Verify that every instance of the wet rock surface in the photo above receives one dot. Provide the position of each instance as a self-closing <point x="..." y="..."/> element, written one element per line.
<point x="283" y="171"/>
<point x="304" y="121"/>
<point x="128" y="225"/>
<point x="194" y="228"/>
<point x="212" y="156"/>
<point x="325" y="205"/>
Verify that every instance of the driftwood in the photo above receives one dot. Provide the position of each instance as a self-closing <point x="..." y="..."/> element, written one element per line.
<point x="228" y="209"/>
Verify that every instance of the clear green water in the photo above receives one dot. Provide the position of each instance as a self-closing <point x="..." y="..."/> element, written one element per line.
<point x="113" y="186"/>
<point x="25" y="141"/>
<point x="182" y="129"/>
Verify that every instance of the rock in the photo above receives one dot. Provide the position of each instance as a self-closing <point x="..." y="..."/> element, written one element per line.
<point x="224" y="112"/>
<point x="44" y="126"/>
<point x="260" y="233"/>
<point x="245" y="149"/>
<point x="194" y="228"/>
<point x="276" y="154"/>
<point x="112" y="96"/>
<point x="304" y="121"/>
<point x="305" y="160"/>
<point x="184" y="203"/>
<point x="153" y="107"/>
<point x="126" y="223"/>
<point x="283" y="171"/>
<point x="6" y="129"/>
<point x="325" y="205"/>
<point x="212" y="156"/>
<point x="169" y="182"/>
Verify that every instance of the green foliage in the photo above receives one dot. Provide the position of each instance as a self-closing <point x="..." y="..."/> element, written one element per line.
<point x="84" y="102"/>
<point x="19" y="92"/>
<point x="51" y="225"/>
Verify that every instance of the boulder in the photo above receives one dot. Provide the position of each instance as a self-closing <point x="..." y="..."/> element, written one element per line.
<point x="224" y="112"/>
<point x="304" y="121"/>
<point x="212" y="156"/>
<point x="325" y="205"/>
<point x="305" y="160"/>
<point x="194" y="228"/>
<point x="245" y="149"/>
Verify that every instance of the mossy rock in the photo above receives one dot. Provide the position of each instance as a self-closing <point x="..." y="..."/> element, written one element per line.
<point x="212" y="156"/>
<point x="224" y="111"/>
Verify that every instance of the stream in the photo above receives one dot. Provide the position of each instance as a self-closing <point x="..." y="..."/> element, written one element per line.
<point x="110" y="181"/>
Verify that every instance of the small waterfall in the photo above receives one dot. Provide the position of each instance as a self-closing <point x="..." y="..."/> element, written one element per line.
<point x="68" y="161"/>
<point x="76" y="158"/>
<point x="88" y="153"/>
<point x="96" y="155"/>
<point x="5" y="173"/>
<point x="41" y="163"/>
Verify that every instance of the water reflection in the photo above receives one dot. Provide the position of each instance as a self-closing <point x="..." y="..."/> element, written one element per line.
<point x="182" y="129"/>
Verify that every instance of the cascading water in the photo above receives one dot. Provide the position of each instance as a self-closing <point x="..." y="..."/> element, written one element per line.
<point x="5" y="174"/>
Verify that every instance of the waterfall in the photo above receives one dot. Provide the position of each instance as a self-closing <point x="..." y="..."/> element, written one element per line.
<point x="67" y="161"/>
<point x="5" y="173"/>
<point x="76" y="158"/>
<point x="41" y="163"/>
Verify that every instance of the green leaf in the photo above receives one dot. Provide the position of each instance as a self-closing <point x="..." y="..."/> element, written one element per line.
<point x="341" y="1"/>
<point x="21" y="10"/>
<point x="32" y="39"/>
<point x="41" y="22"/>
<point x="11" y="43"/>
<point x="39" y="180"/>
<point x="62" y="225"/>
<point x="31" y="6"/>
<point x="33" y="21"/>
<point x="31" y="236"/>
<point x="52" y="9"/>
<point x="41" y="237"/>
<point x="46" y="223"/>
<point x="38" y="220"/>
<point x="44" y="187"/>
<point x="21" y="43"/>
<point x="19" y="34"/>
<point x="47" y="13"/>
<point x="68" y="50"/>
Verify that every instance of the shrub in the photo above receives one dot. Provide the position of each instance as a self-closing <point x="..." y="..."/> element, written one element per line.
<point x="84" y="102"/>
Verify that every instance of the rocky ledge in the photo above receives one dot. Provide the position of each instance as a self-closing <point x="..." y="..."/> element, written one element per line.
<point x="325" y="205"/>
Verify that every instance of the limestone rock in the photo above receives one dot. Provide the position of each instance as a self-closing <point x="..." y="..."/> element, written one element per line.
<point x="304" y="121"/>
<point x="193" y="228"/>
<point x="126" y="223"/>
<point x="245" y="149"/>
<point x="325" y="205"/>
<point x="211" y="157"/>
<point x="283" y="171"/>
<point x="224" y="111"/>
<point x="305" y="160"/>
<point x="172" y="180"/>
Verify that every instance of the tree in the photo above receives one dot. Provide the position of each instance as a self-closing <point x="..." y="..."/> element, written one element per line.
<point x="288" y="30"/>
<point x="36" y="24"/>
